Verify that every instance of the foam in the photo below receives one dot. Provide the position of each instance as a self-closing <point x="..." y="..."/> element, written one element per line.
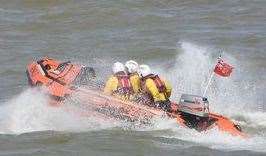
<point x="30" y="112"/>
<point x="231" y="97"/>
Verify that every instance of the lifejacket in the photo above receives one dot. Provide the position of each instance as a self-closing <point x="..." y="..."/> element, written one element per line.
<point x="135" y="81"/>
<point x="158" y="82"/>
<point x="124" y="84"/>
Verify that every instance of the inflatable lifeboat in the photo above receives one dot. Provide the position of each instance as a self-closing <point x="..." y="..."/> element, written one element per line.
<point x="64" y="79"/>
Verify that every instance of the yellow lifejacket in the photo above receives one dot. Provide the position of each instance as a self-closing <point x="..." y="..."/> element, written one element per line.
<point x="119" y="84"/>
<point x="135" y="82"/>
<point x="158" y="89"/>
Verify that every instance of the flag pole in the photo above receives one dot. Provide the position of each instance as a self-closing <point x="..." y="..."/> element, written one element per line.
<point x="208" y="85"/>
<point x="210" y="79"/>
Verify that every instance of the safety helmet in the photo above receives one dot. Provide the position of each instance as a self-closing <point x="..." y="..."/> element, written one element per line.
<point x="144" y="70"/>
<point x="132" y="66"/>
<point x="118" y="67"/>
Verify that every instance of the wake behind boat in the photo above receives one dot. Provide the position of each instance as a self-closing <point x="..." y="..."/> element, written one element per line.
<point x="62" y="80"/>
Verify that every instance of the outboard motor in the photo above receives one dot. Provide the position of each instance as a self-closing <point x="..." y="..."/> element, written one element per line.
<point x="194" y="110"/>
<point x="194" y="104"/>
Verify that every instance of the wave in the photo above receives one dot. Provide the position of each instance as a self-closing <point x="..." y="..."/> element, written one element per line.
<point x="30" y="111"/>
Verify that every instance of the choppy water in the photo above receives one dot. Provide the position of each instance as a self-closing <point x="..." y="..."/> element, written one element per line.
<point x="180" y="39"/>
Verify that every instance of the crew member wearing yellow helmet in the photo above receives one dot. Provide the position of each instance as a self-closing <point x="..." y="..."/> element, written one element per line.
<point x="119" y="83"/>
<point x="158" y="89"/>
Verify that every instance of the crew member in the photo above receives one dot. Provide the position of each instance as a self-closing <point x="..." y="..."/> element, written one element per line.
<point x="158" y="89"/>
<point x="119" y="83"/>
<point x="132" y="71"/>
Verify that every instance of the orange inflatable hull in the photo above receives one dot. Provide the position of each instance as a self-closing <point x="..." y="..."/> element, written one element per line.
<point x="59" y="83"/>
<point x="130" y="111"/>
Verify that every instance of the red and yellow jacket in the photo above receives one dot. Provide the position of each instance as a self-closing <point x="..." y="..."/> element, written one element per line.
<point x="119" y="84"/>
<point x="135" y="82"/>
<point x="159" y="89"/>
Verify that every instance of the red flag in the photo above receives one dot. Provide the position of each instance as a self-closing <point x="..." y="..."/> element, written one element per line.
<point x="223" y="69"/>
